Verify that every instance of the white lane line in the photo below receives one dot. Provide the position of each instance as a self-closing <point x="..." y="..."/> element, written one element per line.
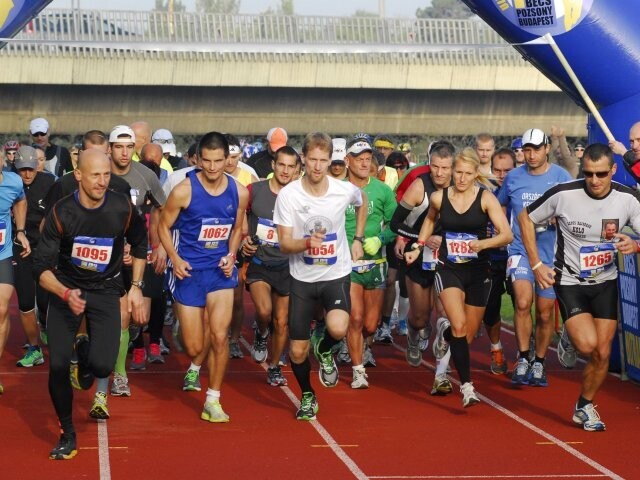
<point x="485" y="476"/>
<point x="326" y="436"/>
<point x="569" y="449"/>
<point x="103" y="451"/>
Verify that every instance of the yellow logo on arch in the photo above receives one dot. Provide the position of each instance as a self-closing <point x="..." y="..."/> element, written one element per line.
<point x="5" y="8"/>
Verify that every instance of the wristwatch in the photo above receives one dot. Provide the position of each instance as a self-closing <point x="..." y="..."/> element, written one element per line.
<point x="360" y="239"/>
<point x="137" y="283"/>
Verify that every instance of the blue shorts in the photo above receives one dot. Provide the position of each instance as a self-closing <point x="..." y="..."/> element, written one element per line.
<point x="518" y="268"/>
<point x="192" y="291"/>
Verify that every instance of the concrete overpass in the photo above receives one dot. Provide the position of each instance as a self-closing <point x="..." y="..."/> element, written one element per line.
<point x="246" y="73"/>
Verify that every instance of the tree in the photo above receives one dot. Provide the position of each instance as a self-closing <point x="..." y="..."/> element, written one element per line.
<point x="163" y="6"/>
<point x="444" y="9"/>
<point x="364" y="13"/>
<point x="286" y="7"/>
<point x="218" y="6"/>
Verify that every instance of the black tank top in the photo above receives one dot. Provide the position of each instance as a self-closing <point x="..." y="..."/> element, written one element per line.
<point x="472" y="222"/>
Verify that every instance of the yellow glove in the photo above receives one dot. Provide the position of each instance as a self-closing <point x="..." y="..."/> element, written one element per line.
<point x="371" y="245"/>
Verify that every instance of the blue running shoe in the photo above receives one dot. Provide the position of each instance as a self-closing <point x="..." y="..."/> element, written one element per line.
<point x="521" y="372"/>
<point x="537" y="377"/>
<point x="588" y="417"/>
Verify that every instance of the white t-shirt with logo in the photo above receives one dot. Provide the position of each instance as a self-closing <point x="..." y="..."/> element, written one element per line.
<point x="307" y="214"/>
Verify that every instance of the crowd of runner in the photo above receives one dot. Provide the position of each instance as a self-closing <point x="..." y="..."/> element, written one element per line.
<point x="341" y="243"/>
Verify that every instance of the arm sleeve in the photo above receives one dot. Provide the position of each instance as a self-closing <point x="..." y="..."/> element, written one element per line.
<point x="137" y="235"/>
<point x="46" y="255"/>
<point x="397" y="222"/>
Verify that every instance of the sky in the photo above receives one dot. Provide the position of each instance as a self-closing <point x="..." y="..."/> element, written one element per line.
<point x="393" y="8"/>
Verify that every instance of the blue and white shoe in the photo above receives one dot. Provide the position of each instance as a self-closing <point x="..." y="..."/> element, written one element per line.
<point x="537" y="376"/>
<point x="588" y="417"/>
<point x="521" y="372"/>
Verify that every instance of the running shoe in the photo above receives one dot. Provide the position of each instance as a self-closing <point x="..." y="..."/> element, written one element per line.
<point x="367" y="356"/>
<point x="441" y="385"/>
<point x="44" y="338"/>
<point x="521" y="372"/>
<point x="65" y="449"/>
<point x="99" y="409"/>
<point x="589" y="418"/>
<point x="440" y="345"/>
<point x="176" y="335"/>
<point x="498" y="362"/>
<point x="402" y="327"/>
<point x="537" y="376"/>
<point x="120" y="386"/>
<point x="155" y="355"/>
<point x="328" y="371"/>
<point x="139" y="360"/>
<point x="469" y="397"/>
<point x="360" y="377"/>
<point x="191" y="382"/>
<point x="275" y="377"/>
<point x="413" y="353"/>
<point x="234" y="350"/>
<point x="343" y="354"/>
<point x="423" y="337"/>
<point x="85" y="375"/>
<point x="308" y="407"/>
<point x="259" y="347"/>
<point x="212" y="412"/>
<point x="566" y="350"/>
<point x="165" y="348"/>
<point x="383" y="335"/>
<point x="73" y="376"/>
<point x="32" y="358"/>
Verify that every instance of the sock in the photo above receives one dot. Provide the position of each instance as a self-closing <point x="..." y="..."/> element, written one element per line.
<point x="213" y="396"/>
<point x="540" y="360"/>
<point x="496" y="346"/>
<point x="121" y="361"/>
<point x="102" y="385"/>
<point x="582" y="402"/>
<point x="443" y="363"/>
<point x="358" y="367"/>
<point x="302" y="372"/>
<point x="66" y="424"/>
<point x="327" y="342"/>
<point x="403" y="308"/>
<point x="385" y="321"/>
<point x="524" y="354"/>
<point x="195" y="367"/>
<point x="447" y="335"/>
<point x="460" y="355"/>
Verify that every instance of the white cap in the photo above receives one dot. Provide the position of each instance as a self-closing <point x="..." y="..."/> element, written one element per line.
<point x="164" y="138"/>
<point x="39" y="125"/>
<point x="535" y="137"/>
<point x="339" y="149"/>
<point x="120" y="134"/>
<point x="356" y="148"/>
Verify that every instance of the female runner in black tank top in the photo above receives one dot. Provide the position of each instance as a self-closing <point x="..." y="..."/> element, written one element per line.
<point x="462" y="275"/>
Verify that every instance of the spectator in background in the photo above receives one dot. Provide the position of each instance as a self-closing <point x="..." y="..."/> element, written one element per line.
<point x="164" y="138"/>
<point x="484" y="145"/>
<point x="398" y="161"/>
<point x="191" y="155"/>
<point x="384" y="144"/>
<point x="142" y="131"/>
<point x="74" y="152"/>
<point x="578" y="151"/>
<point x="261" y="161"/>
<point x="10" y="149"/>
<point x="561" y="153"/>
<point x="338" y="168"/>
<point x="406" y="149"/>
<point x="58" y="159"/>
<point x="516" y="146"/>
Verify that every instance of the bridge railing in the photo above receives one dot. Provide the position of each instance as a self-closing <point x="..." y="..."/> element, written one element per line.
<point x="95" y="27"/>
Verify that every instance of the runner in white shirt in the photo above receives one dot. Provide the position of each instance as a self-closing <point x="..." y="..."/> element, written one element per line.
<point x="310" y="215"/>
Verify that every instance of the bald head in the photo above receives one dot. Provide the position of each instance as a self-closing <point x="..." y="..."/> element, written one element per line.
<point x="87" y="158"/>
<point x="151" y="152"/>
<point x="143" y="134"/>
<point x="634" y="139"/>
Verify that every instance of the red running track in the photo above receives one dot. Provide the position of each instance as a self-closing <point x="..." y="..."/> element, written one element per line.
<point x="393" y="430"/>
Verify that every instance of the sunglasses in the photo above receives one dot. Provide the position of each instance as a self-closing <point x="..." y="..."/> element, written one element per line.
<point x="597" y="174"/>
<point x="38" y="134"/>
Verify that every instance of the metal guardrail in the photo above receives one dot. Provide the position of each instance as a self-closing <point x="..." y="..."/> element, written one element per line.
<point x="94" y="31"/>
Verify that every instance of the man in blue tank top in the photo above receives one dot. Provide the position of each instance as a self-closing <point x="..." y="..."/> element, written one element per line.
<point x="206" y="210"/>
